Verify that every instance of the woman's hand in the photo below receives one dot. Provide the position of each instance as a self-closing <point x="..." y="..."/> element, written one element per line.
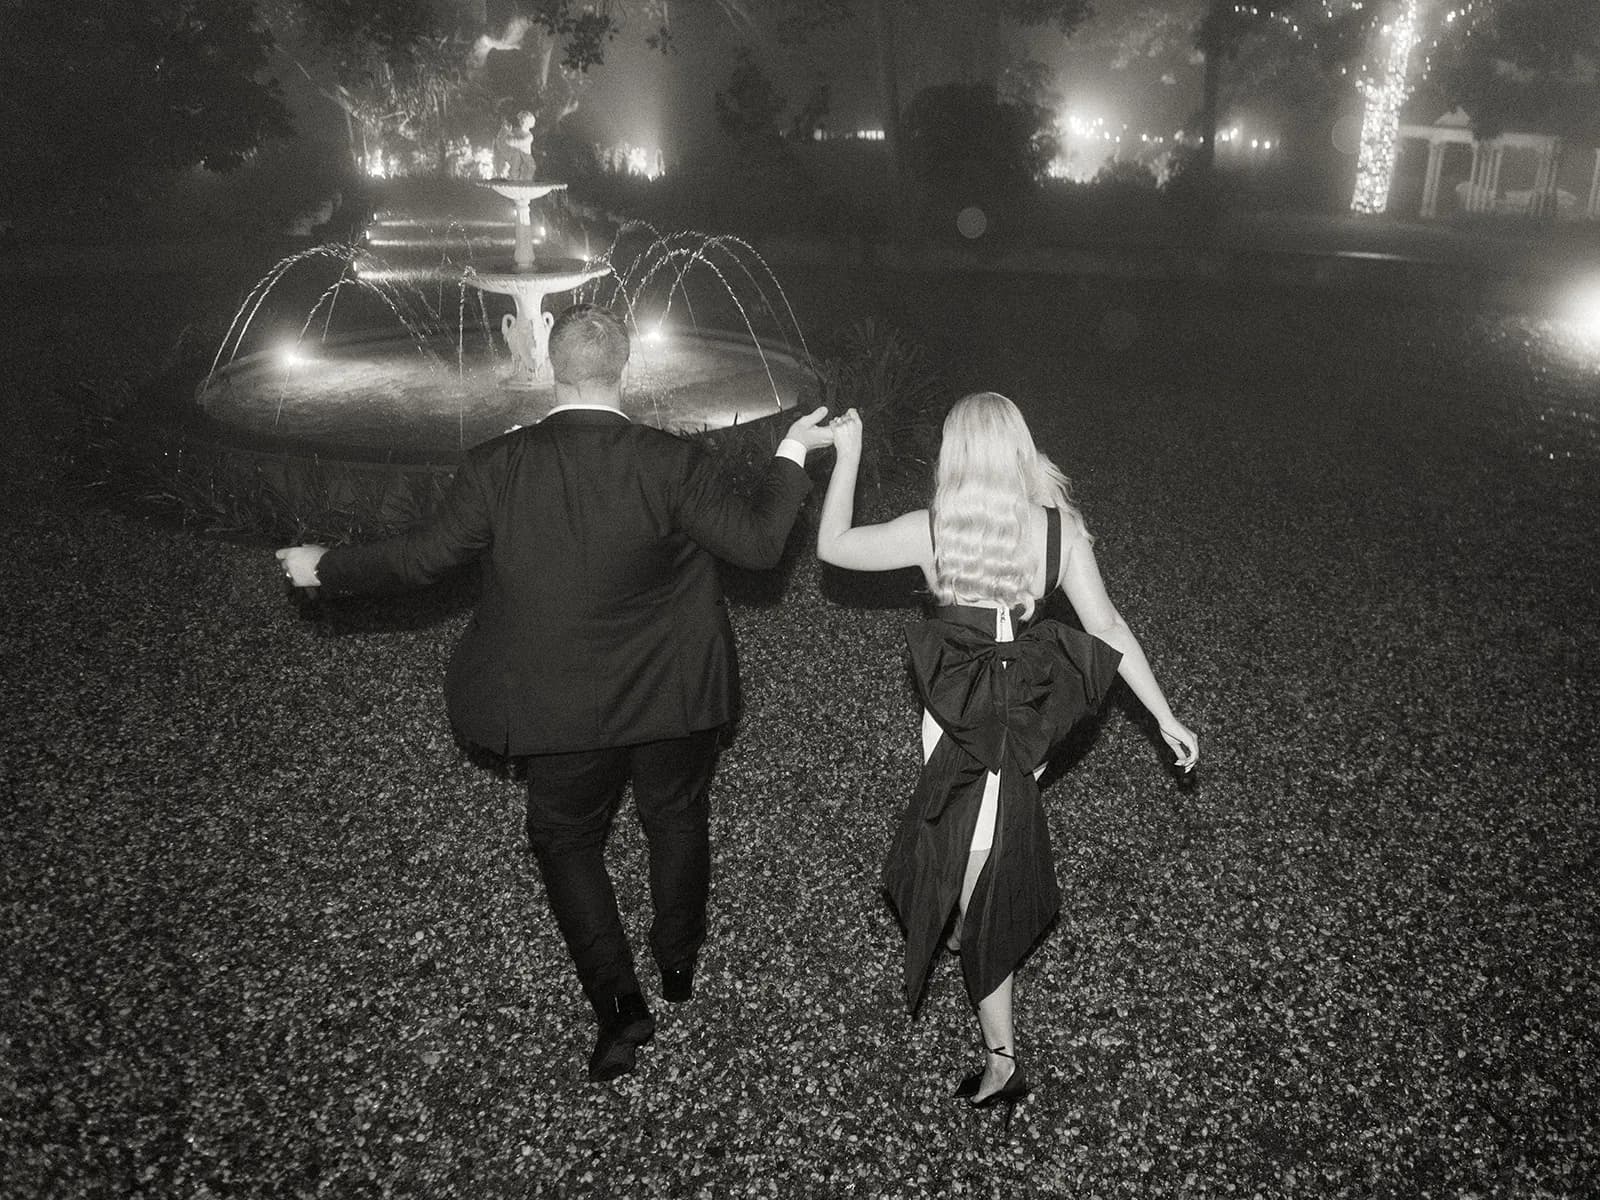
<point x="1183" y="743"/>
<point x="847" y="434"/>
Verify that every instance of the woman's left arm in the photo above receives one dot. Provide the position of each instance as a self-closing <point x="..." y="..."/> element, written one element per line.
<point x="1081" y="581"/>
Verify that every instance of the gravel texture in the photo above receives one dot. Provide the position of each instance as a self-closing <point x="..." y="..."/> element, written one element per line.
<point x="263" y="933"/>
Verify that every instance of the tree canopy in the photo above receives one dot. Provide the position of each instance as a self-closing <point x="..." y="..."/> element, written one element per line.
<point x="1530" y="64"/>
<point x="100" y="98"/>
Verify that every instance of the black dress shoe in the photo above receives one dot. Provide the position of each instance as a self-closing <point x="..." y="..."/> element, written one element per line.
<point x="626" y="1023"/>
<point x="630" y="1018"/>
<point x="613" y="1056"/>
<point x="677" y="985"/>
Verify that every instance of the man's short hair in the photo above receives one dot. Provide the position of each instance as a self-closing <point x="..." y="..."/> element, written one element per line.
<point x="588" y="345"/>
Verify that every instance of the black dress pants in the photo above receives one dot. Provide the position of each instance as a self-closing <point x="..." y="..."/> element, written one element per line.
<point x="572" y="799"/>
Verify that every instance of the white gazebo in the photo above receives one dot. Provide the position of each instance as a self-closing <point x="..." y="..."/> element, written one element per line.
<point x="1482" y="191"/>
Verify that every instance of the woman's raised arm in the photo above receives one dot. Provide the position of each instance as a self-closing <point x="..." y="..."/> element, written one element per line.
<point x="902" y="542"/>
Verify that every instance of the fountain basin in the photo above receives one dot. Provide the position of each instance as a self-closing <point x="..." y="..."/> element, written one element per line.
<point x="522" y="191"/>
<point x="397" y="399"/>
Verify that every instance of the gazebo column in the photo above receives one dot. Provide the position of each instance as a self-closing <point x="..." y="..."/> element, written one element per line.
<point x="1477" y="179"/>
<point x="1594" y="189"/>
<point x="1497" y="159"/>
<point x="1430" y="185"/>
<point x="1546" y="203"/>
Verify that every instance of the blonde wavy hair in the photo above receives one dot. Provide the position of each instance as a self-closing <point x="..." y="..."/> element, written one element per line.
<point x="989" y="475"/>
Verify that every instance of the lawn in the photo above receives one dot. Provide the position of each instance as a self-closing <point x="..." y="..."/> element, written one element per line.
<point x="265" y="933"/>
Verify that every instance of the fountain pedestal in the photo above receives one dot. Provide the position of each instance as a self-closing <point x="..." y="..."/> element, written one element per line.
<point x="527" y="334"/>
<point x="522" y="196"/>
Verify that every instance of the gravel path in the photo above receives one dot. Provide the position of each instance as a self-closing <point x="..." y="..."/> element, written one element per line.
<point x="264" y="934"/>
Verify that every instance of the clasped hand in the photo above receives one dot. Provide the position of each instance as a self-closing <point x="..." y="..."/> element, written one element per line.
<point x="846" y="430"/>
<point x="300" y="564"/>
<point x="843" y="433"/>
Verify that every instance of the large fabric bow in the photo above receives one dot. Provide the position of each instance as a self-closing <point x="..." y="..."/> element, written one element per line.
<point x="1002" y="706"/>
<point x="1007" y="703"/>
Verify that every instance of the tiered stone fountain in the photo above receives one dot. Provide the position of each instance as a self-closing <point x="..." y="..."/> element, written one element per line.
<point x="387" y="351"/>
<point x="527" y="332"/>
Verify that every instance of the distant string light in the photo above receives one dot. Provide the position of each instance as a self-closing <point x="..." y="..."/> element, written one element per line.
<point x="1086" y="144"/>
<point x="1380" y="124"/>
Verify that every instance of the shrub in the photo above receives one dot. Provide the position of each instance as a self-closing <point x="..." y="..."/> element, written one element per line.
<point x="887" y="378"/>
<point x="1125" y="174"/>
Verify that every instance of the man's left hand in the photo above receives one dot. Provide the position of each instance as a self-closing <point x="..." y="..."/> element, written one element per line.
<point x="299" y="564"/>
<point x="809" y="430"/>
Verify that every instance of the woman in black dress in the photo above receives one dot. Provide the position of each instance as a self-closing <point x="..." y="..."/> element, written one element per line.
<point x="973" y="848"/>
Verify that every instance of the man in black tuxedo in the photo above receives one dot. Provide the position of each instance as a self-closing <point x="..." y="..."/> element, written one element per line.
<point x="600" y="647"/>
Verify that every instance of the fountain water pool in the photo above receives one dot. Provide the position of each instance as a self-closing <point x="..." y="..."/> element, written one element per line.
<point x="435" y="378"/>
<point x="389" y="398"/>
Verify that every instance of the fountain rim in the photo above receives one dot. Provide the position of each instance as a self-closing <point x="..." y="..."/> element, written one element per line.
<point x="553" y="278"/>
<point x="217" y="433"/>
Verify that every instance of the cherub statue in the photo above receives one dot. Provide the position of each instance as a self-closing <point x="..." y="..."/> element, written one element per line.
<point x="513" y="148"/>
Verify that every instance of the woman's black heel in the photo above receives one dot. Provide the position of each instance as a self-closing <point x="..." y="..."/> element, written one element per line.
<point x="1013" y="1090"/>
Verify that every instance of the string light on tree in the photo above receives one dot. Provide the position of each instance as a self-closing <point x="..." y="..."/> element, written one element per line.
<point x="1380" y="125"/>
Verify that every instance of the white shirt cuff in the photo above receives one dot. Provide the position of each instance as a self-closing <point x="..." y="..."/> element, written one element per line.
<point x="794" y="451"/>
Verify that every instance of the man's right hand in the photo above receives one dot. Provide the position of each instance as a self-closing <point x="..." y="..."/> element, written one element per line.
<point x="809" y="430"/>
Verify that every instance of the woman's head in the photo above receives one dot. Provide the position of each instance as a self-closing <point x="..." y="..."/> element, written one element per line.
<point x="990" y="475"/>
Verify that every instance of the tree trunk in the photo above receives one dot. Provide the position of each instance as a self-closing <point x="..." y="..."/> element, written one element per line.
<point x="357" y="148"/>
<point x="546" y="57"/>
<point x="1211" y="46"/>
<point x="884" y="13"/>
<point x="984" y="64"/>
<point x="440" y="111"/>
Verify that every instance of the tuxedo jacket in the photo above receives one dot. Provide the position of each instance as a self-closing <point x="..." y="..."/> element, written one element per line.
<point x="600" y="620"/>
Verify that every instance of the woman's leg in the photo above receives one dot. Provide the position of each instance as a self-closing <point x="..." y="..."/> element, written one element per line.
<point x="975" y="861"/>
<point x="977" y="854"/>
<point x="994" y="1019"/>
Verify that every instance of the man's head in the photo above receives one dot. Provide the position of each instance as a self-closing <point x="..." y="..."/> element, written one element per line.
<point x="588" y="349"/>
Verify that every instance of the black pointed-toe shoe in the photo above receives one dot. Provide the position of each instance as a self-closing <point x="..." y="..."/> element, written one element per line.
<point x="1008" y="1096"/>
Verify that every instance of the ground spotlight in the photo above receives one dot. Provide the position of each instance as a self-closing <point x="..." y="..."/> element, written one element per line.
<point x="1582" y="309"/>
<point x="293" y="356"/>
